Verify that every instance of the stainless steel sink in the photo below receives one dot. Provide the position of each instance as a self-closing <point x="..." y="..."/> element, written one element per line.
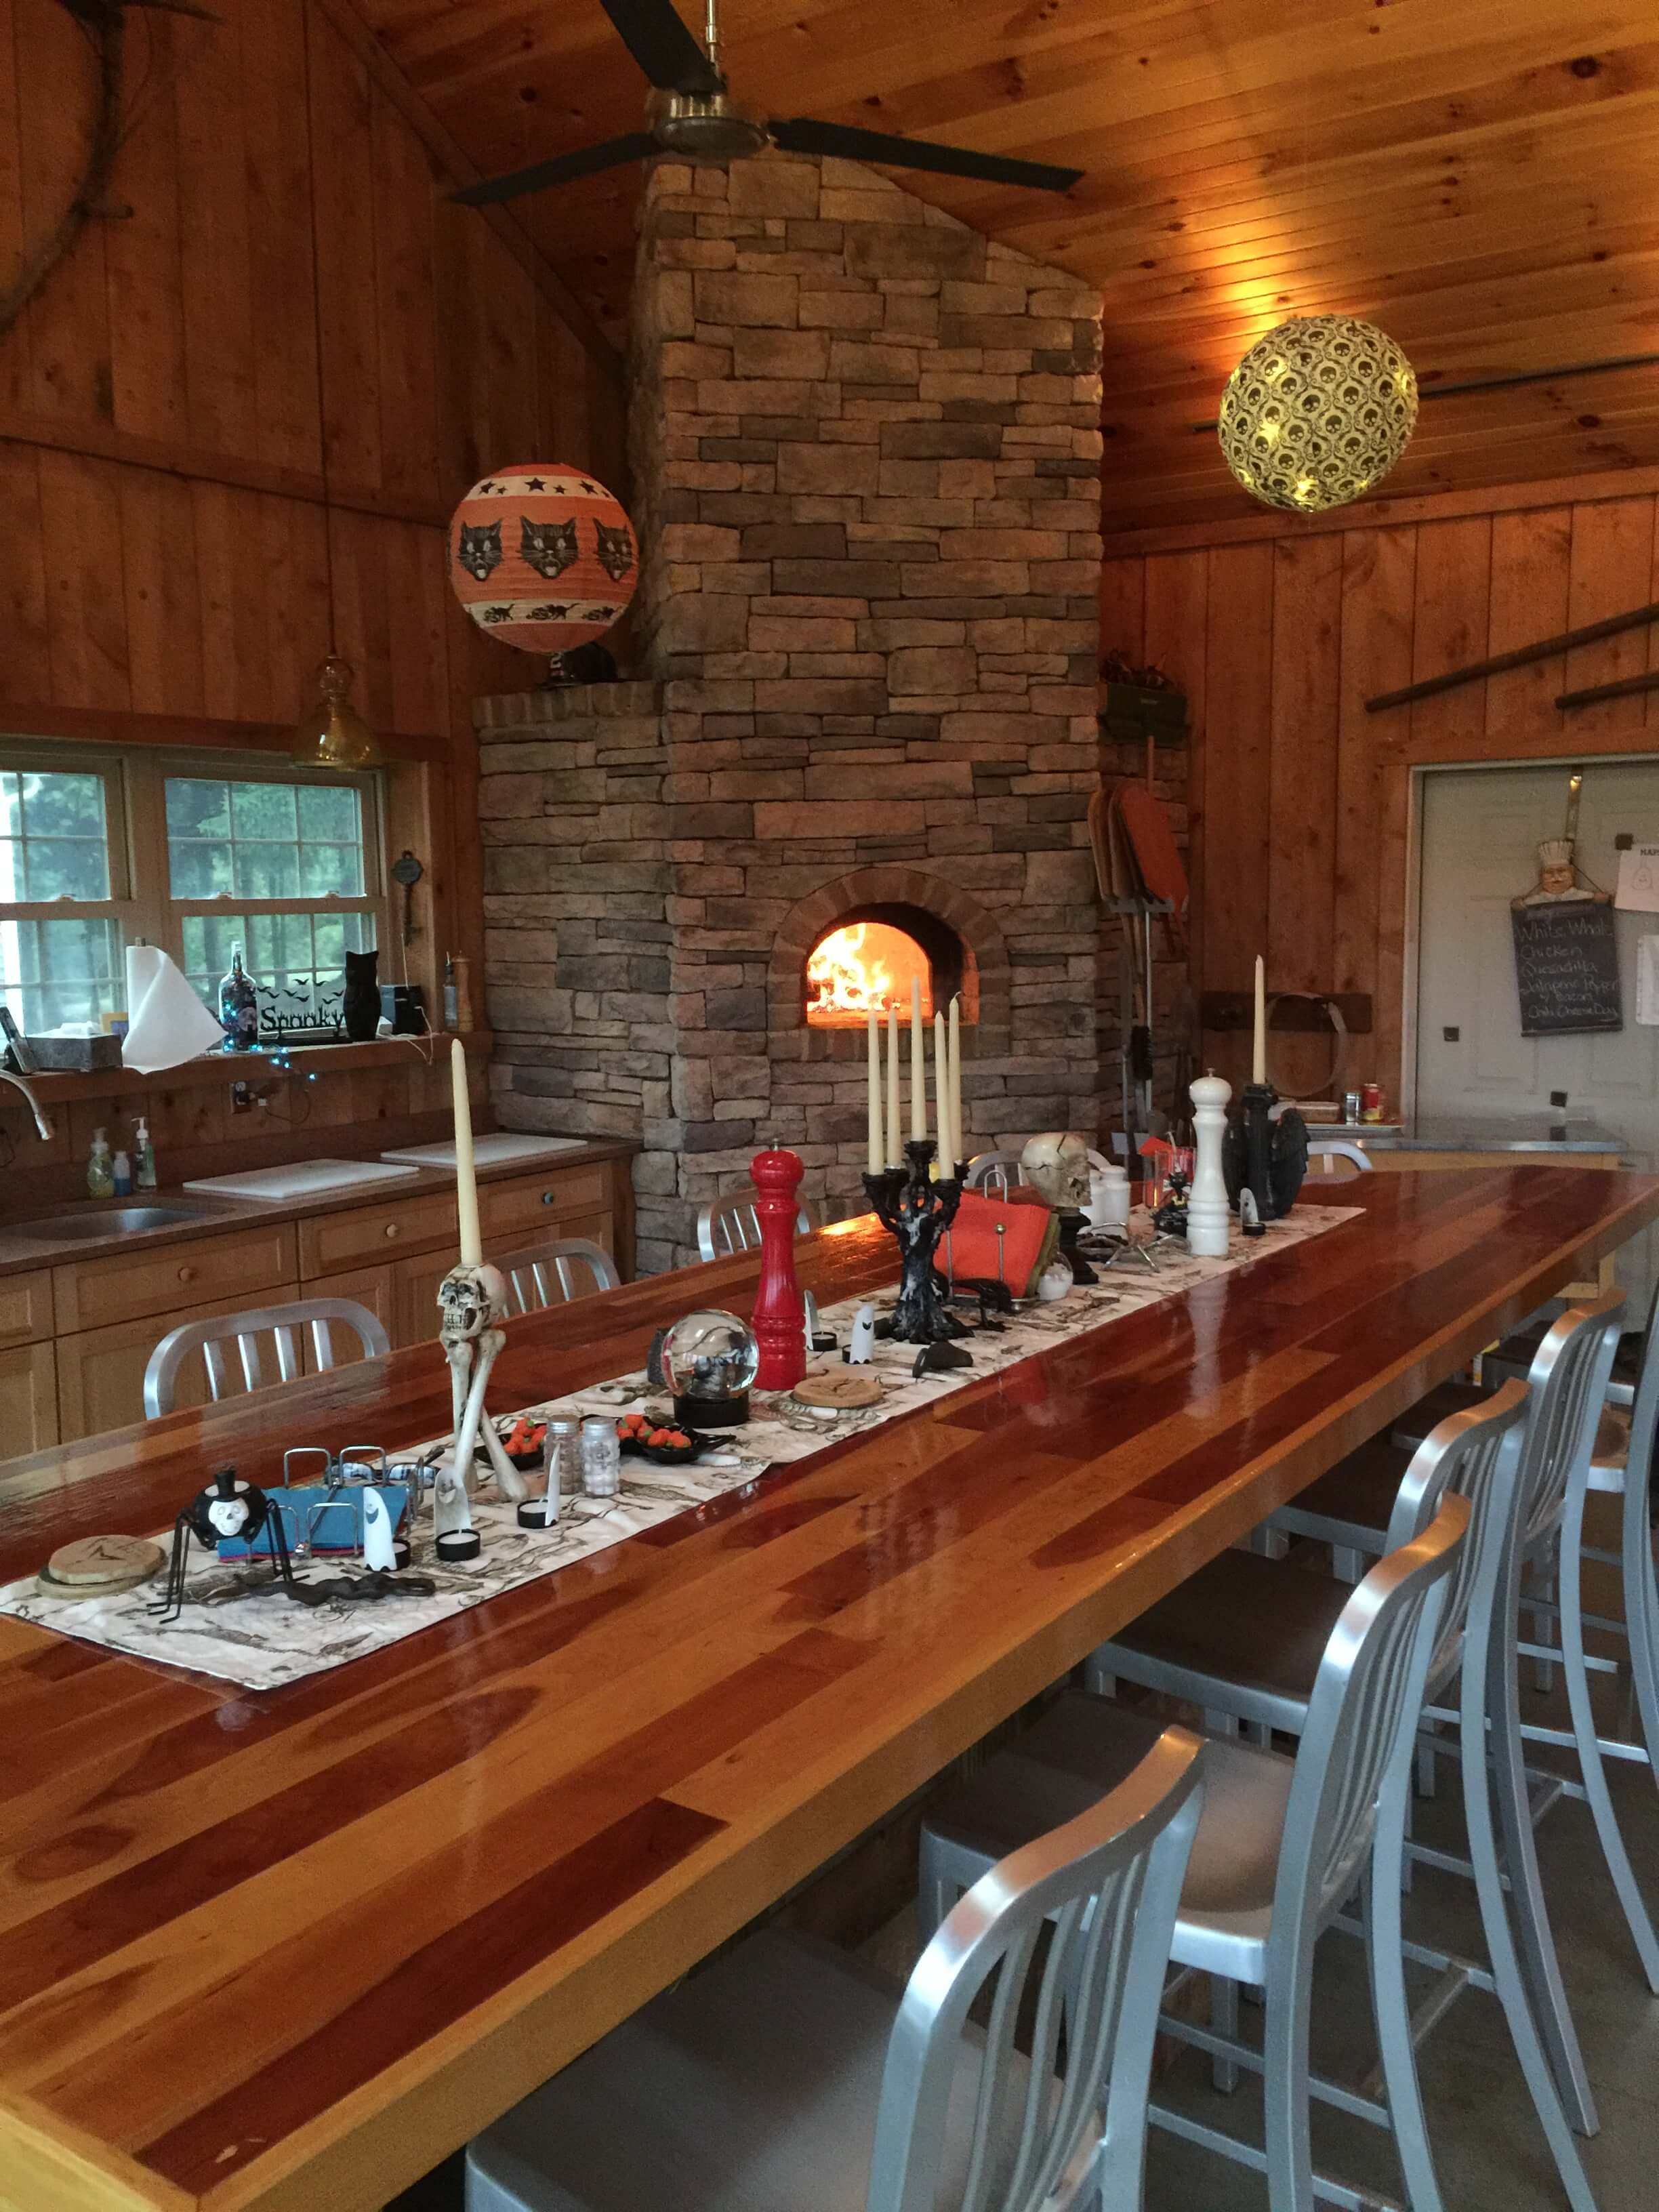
<point x="111" y="1221"/>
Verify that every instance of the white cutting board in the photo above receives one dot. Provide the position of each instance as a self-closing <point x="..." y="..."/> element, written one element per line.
<point x="305" y="1179"/>
<point x="487" y="1151"/>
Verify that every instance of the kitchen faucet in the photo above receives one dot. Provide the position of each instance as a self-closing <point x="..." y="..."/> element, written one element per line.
<point x="42" y="1122"/>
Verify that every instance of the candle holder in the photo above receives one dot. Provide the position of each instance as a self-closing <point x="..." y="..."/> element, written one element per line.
<point x="918" y="1211"/>
<point x="1264" y="1154"/>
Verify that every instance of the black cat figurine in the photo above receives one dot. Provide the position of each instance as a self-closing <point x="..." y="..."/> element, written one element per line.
<point x="362" y="1008"/>
<point x="480" y="549"/>
<point x="549" y="547"/>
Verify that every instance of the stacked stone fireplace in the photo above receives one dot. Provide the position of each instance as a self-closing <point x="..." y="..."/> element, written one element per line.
<point x="865" y="448"/>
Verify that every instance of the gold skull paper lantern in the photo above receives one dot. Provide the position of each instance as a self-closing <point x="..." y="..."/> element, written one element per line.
<point x="1317" y="412"/>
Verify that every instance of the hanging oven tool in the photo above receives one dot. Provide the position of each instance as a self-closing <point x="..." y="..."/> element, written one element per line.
<point x="407" y="870"/>
<point x="1331" y="1085"/>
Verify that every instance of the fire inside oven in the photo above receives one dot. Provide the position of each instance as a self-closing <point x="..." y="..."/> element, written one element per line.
<point x="864" y="966"/>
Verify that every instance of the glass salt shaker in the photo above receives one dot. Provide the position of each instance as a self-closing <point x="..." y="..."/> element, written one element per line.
<point x="601" y="1456"/>
<point x="562" y="1453"/>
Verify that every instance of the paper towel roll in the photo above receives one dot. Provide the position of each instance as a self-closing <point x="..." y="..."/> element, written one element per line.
<point x="167" y="1022"/>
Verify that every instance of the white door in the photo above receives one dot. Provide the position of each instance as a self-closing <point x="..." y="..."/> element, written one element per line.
<point x="1481" y="828"/>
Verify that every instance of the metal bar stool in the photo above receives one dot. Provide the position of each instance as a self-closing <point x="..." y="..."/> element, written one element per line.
<point x="547" y="1275"/>
<point x="1243" y="1638"/>
<point x="1328" y="1152"/>
<point x="730" y="1223"/>
<point x="790" y="2077"/>
<point x="1281" y="1845"/>
<point x="284" y="1323"/>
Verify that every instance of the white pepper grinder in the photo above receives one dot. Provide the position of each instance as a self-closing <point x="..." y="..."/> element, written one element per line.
<point x="1207" y="1210"/>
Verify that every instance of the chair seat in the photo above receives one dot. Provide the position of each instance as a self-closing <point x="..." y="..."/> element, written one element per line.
<point x="1449" y="1398"/>
<point x="1350" y="1505"/>
<point x="751" y="2087"/>
<point x="1245" y="1636"/>
<point x="1084" y="1746"/>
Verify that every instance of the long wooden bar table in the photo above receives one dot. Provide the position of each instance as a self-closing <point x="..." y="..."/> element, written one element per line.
<point x="286" y="1950"/>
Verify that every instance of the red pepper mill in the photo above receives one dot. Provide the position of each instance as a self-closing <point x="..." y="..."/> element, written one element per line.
<point x="779" y="1316"/>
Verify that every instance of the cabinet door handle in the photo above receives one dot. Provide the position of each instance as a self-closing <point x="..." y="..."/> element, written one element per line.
<point x="393" y="1229"/>
<point x="187" y="1275"/>
<point x="547" y="1198"/>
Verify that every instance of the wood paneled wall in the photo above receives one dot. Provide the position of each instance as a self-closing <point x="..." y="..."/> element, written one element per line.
<point x="173" y="491"/>
<point x="1300" y="800"/>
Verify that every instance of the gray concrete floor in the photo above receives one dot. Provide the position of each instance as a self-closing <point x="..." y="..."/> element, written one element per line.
<point x="1489" y="2150"/>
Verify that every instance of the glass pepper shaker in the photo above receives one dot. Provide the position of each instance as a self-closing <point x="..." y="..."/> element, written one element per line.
<point x="601" y="1456"/>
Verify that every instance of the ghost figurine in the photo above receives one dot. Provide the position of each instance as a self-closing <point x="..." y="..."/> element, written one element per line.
<point x="379" y="1555"/>
<point x="862" y="1345"/>
<point x="1056" y="1166"/>
<point x="471" y="1303"/>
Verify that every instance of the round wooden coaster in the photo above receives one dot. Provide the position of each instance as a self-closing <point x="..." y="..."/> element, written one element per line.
<point x="838" y="1392"/>
<point x="99" y="1566"/>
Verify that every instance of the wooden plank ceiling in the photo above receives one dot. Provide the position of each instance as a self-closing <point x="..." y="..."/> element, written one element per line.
<point x="1476" y="175"/>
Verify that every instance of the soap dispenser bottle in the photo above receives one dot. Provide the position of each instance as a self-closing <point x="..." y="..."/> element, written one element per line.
<point x="100" y="1167"/>
<point x="144" y="1156"/>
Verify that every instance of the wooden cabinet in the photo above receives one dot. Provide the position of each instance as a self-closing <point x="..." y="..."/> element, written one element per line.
<point x="168" y="1278"/>
<point x="26" y="1307"/>
<point x="363" y="1235"/>
<point x="28" y="1398"/>
<point x="414" y="1298"/>
<point x="100" y="1372"/>
<point x="522" y="1209"/>
<point x="374" y="1287"/>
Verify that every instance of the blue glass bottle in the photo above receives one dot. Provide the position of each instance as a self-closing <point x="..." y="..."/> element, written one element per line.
<point x="238" y="1008"/>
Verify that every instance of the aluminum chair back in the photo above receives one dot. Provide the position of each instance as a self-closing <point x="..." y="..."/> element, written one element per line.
<point x="1474" y="1456"/>
<point x="1001" y="1170"/>
<point x="1362" y="1720"/>
<point x="1568" y="1380"/>
<point x="552" y="1274"/>
<point x="1326" y="1151"/>
<point x="283" y="1324"/>
<point x="1109" y="1881"/>
<point x="731" y="1224"/>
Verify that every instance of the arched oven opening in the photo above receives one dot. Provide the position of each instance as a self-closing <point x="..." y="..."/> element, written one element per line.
<point x="868" y="958"/>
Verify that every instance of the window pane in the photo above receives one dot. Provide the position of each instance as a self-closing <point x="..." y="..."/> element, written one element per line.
<point x="296" y="961"/>
<point x="196" y="807"/>
<point x="197" y="871"/>
<point x="266" y="871"/>
<point x="328" y="870"/>
<point x="330" y="811"/>
<point x="54" y="840"/>
<point x="263" y="809"/>
<point x="53" y="972"/>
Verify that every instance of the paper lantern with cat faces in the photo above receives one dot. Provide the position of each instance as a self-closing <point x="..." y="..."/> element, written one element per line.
<point x="543" y="556"/>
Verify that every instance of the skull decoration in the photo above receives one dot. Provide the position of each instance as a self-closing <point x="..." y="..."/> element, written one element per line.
<point x="1056" y="1166"/>
<point x="470" y="1301"/>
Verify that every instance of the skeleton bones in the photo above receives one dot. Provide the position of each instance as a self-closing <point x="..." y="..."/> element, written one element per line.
<point x="470" y="1302"/>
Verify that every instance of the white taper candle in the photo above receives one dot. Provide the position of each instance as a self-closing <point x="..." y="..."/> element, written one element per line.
<point x="466" y="1182"/>
<point x="1259" y="1055"/>
<point x="918" y="1065"/>
<point x="878" y="1144"/>
<point x="895" y="1157"/>
<point x="947" y="1150"/>
<point x="955" y="1078"/>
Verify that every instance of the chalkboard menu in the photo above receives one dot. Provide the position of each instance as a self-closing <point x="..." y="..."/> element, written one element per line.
<point x="1567" y="968"/>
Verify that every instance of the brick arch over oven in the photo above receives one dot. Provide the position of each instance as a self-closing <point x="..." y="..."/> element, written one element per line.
<point x="809" y="918"/>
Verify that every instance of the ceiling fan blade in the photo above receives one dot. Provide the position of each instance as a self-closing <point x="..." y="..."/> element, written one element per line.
<point x="660" y="42"/>
<point x="804" y="134"/>
<point x="586" y="162"/>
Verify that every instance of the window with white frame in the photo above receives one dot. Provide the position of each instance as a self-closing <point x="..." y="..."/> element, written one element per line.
<point x="190" y="852"/>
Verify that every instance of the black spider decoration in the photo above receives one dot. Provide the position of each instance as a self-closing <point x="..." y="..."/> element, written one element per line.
<point x="228" y="1510"/>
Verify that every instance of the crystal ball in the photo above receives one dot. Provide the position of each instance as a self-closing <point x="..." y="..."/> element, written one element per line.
<point x="710" y="1354"/>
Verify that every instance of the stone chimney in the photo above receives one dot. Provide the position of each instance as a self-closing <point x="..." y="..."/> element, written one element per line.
<point x="865" y="456"/>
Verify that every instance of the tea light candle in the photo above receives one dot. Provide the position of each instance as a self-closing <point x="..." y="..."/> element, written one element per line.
<point x="1259" y="1055"/>
<point x="466" y="1183"/>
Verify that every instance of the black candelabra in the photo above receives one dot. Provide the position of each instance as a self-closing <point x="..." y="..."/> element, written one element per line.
<point x="918" y="1211"/>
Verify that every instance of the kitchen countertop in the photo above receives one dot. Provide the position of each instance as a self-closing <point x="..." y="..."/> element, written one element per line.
<point x="1434" y="1132"/>
<point x="216" y="1217"/>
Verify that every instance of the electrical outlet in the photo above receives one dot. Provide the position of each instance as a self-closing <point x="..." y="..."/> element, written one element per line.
<point x="241" y="1097"/>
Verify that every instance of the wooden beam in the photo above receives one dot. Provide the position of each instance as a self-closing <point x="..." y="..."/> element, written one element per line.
<point x="349" y="25"/>
<point x="1372" y="513"/>
<point x="115" y="726"/>
<point x="1522" y="656"/>
<point x="100" y="442"/>
<point x="1624" y="690"/>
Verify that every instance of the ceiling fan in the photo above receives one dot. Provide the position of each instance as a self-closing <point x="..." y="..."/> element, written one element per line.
<point x="692" y="113"/>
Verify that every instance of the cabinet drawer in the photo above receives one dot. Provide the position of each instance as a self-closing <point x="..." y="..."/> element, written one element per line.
<point x="166" y="1279"/>
<point x="333" y="1242"/>
<point x="544" y="1202"/>
<point x="26" y="1307"/>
